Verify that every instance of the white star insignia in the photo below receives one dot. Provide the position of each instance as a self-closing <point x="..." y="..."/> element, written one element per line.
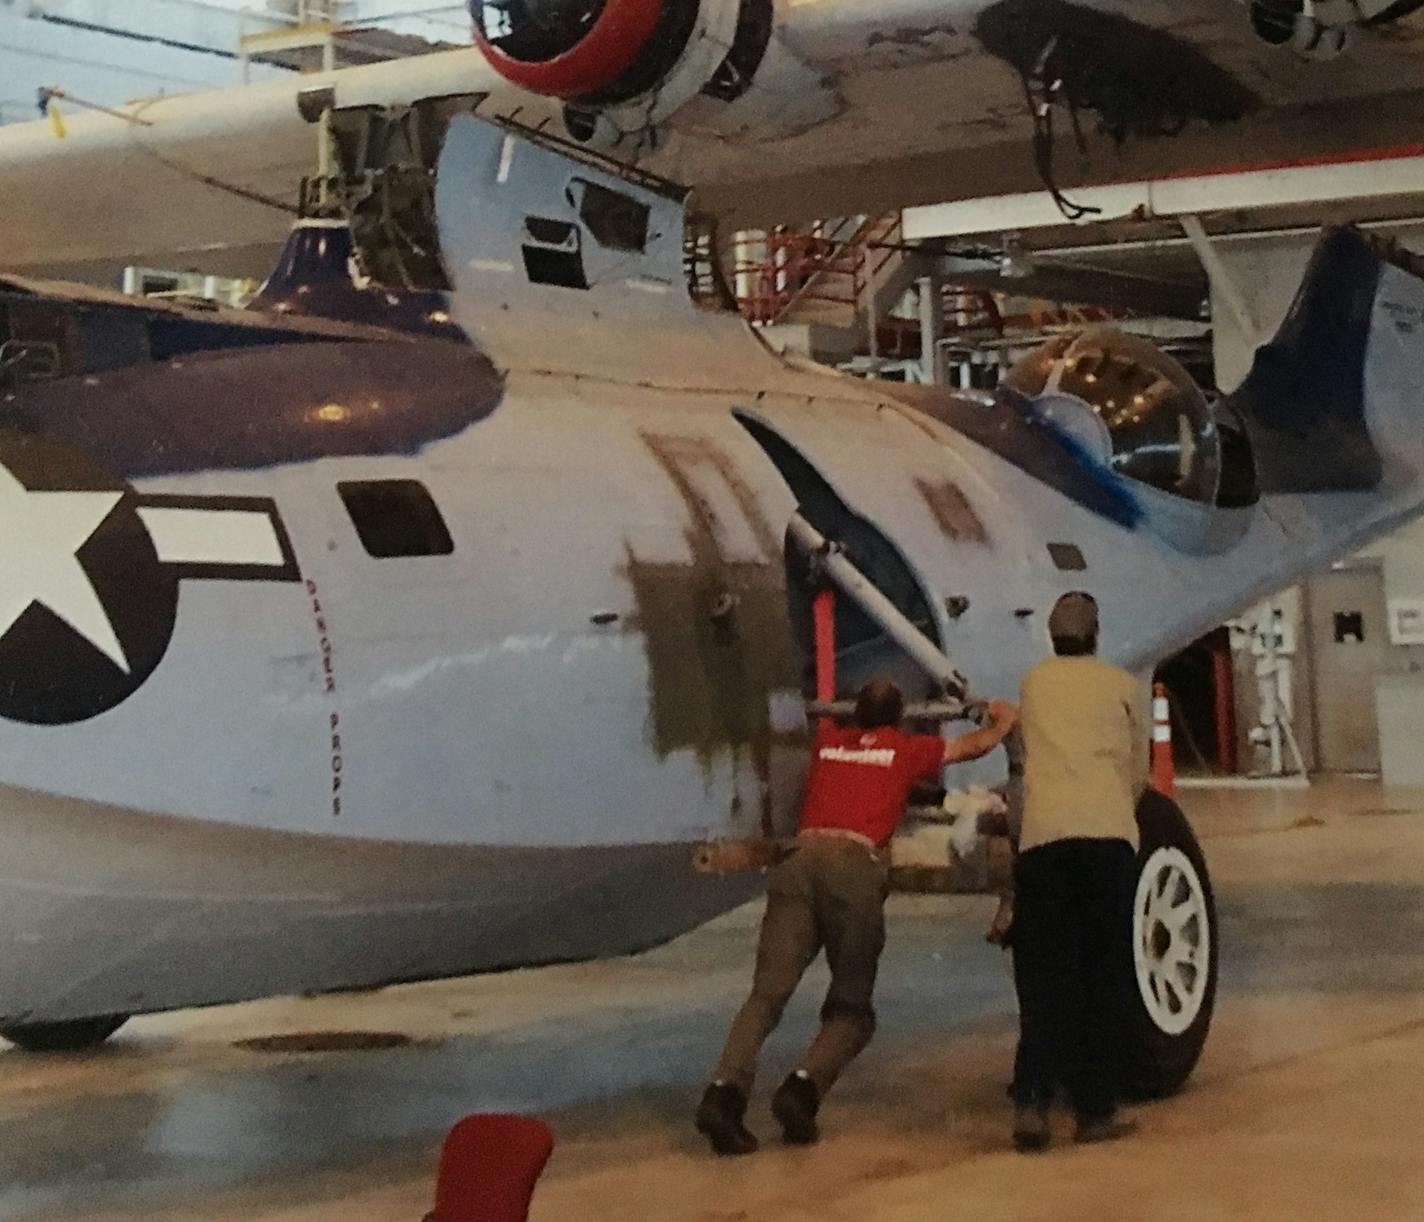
<point x="41" y="534"/>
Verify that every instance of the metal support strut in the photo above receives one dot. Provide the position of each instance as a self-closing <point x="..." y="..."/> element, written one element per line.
<point x="823" y="614"/>
<point x="836" y="568"/>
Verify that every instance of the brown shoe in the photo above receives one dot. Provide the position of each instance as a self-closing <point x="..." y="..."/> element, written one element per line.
<point x="1031" y="1131"/>
<point x="795" y="1105"/>
<point x="719" y="1119"/>
<point x="1103" y="1128"/>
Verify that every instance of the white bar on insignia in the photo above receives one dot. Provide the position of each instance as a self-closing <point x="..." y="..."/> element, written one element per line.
<point x="1161" y="734"/>
<point x="1159" y="709"/>
<point x="213" y="536"/>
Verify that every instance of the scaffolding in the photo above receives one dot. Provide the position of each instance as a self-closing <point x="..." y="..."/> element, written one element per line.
<point x="306" y="25"/>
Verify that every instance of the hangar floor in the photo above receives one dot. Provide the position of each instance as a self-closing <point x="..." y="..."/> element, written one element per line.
<point x="1306" y="1105"/>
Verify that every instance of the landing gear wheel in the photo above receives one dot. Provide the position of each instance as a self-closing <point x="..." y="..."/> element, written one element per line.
<point x="1174" y="952"/>
<point x="71" y="1035"/>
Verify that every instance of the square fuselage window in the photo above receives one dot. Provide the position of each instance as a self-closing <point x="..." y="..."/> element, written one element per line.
<point x="396" y="517"/>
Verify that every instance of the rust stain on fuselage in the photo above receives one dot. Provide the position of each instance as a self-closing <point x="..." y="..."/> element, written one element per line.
<point x="717" y="629"/>
<point x="952" y="512"/>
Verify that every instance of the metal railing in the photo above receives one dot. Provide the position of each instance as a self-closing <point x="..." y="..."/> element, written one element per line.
<point x="829" y="262"/>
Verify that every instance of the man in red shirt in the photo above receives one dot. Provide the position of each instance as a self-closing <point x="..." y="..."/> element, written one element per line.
<point x="830" y="892"/>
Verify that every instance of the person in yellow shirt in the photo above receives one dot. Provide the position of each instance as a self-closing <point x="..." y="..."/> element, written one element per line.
<point x="1085" y="748"/>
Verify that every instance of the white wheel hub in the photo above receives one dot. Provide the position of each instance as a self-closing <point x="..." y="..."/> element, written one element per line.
<point x="1171" y="940"/>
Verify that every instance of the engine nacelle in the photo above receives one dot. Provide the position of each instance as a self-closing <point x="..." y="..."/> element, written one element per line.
<point x="597" y="55"/>
<point x="1322" y="29"/>
<point x="621" y="68"/>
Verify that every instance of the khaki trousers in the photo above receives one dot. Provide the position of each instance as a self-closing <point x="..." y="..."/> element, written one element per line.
<point x="830" y="892"/>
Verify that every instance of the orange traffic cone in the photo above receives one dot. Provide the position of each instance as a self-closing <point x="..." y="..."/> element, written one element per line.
<point x="1164" y="772"/>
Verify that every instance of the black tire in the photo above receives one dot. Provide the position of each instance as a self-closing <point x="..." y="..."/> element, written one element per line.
<point x="1171" y="1004"/>
<point x="71" y="1035"/>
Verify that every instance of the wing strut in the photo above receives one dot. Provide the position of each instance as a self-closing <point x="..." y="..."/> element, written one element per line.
<point x="832" y="564"/>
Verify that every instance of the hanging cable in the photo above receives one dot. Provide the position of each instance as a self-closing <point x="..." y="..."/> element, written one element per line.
<point x="1049" y="86"/>
<point x="207" y="180"/>
<point x="48" y="96"/>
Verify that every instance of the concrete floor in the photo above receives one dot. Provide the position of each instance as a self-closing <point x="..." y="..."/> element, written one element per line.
<point x="1306" y="1104"/>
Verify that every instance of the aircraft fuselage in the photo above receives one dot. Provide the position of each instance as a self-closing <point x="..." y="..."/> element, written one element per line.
<point x="332" y="655"/>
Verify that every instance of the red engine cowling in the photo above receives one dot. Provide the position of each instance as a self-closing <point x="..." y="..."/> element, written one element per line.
<point x="588" y="51"/>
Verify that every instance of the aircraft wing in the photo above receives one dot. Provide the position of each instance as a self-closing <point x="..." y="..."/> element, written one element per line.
<point x="858" y="107"/>
<point x="208" y="178"/>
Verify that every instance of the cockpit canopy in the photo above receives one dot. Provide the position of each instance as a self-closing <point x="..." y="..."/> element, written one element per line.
<point x="1152" y="422"/>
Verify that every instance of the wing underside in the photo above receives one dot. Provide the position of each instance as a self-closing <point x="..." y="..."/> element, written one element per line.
<point x="912" y="115"/>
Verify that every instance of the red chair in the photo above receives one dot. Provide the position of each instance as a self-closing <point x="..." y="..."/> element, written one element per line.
<point x="488" y="1168"/>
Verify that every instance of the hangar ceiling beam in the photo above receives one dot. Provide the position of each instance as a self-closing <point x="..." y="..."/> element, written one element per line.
<point x="1024" y="275"/>
<point x="1373" y="174"/>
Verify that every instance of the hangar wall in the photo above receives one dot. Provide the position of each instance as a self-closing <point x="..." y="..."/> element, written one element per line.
<point x="109" y="67"/>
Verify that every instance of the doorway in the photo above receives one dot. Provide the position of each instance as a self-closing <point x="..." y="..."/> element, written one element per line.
<point x="1201" y="692"/>
<point x="1349" y="649"/>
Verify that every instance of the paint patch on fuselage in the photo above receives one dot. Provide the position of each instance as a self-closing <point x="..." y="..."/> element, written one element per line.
<point x="711" y="676"/>
<point x="716" y="628"/>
